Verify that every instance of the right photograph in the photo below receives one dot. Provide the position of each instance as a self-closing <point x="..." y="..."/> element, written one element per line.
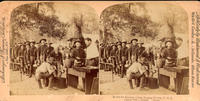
<point x="144" y="49"/>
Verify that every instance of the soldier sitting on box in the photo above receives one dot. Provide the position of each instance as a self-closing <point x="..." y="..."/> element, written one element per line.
<point x="46" y="71"/>
<point x="137" y="71"/>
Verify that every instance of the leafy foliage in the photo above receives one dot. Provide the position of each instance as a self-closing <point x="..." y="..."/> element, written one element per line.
<point x="119" y="20"/>
<point x="30" y="17"/>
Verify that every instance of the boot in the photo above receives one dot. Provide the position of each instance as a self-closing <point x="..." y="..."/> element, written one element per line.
<point x="40" y="84"/>
<point x="50" y="84"/>
<point x="130" y="84"/>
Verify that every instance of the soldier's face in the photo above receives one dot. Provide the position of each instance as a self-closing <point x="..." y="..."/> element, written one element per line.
<point x="50" y="59"/>
<point x="42" y="42"/>
<point x="179" y="42"/>
<point x="22" y="47"/>
<point x="133" y="42"/>
<point x="114" y="47"/>
<point x="31" y="44"/>
<point x="27" y="46"/>
<point x="87" y="42"/>
<point x="123" y="44"/>
<point x="142" y="60"/>
<point x="78" y="44"/>
<point x="169" y="44"/>
<point x="119" y="46"/>
<point x="128" y="45"/>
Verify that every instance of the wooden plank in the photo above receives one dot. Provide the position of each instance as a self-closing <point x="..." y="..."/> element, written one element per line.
<point x="95" y="86"/>
<point x="167" y="73"/>
<point x="76" y="73"/>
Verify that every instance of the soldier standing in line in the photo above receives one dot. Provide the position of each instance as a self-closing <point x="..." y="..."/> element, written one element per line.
<point x="33" y="54"/>
<point x="119" y="58"/>
<point x="113" y="57"/>
<point x="16" y="55"/>
<point x="134" y="49"/>
<point x="128" y="53"/>
<point x="27" y="55"/>
<point x="140" y="48"/>
<point x="41" y="51"/>
<point x="124" y="58"/>
<point x="49" y="49"/>
<point x="20" y="56"/>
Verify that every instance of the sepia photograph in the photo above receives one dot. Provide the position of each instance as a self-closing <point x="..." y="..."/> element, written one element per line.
<point x="144" y="49"/>
<point x="54" y="49"/>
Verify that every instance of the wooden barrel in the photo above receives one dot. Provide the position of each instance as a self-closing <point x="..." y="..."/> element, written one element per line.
<point x="153" y="83"/>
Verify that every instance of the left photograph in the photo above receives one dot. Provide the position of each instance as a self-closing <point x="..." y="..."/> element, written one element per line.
<point x="54" y="49"/>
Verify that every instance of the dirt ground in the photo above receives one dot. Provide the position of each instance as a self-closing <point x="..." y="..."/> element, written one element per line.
<point x="120" y="86"/>
<point x="29" y="86"/>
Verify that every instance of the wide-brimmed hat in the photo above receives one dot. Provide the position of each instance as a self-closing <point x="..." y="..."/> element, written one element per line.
<point x="32" y="42"/>
<point x="43" y="40"/>
<point x="134" y="40"/>
<point x="77" y="40"/>
<point x="169" y="40"/>
<point x="124" y="42"/>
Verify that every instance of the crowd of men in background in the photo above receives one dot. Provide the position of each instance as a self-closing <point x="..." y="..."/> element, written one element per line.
<point x="46" y="61"/>
<point x="136" y="61"/>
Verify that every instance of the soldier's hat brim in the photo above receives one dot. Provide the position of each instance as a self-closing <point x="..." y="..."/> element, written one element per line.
<point x="43" y="40"/>
<point x="169" y="40"/>
<point x="32" y="42"/>
<point x="77" y="41"/>
<point x="134" y="40"/>
<point x="124" y="42"/>
<point x="119" y="43"/>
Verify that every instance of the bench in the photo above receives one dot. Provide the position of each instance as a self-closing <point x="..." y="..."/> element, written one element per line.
<point x="88" y="73"/>
<point x="170" y="76"/>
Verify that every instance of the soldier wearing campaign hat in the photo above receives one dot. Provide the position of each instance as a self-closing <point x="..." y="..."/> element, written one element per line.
<point x="120" y="64"/>
<point x="33" y="57"/>
<point x="27" y="60"/>
<point x="141" y="49"/>
<point x="41" y="50"/>
<point x="134" y="49"/>
<point x="113" y="57"/>
<point x="20" y="57"/>
<point x="169" y="54"/>
<point x="78" y="54"/>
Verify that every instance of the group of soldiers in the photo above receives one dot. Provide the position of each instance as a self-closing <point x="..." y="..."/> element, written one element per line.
<point x="47" y="62"/>
<point x="29" y="53"/>
<point x="123" y="55"/>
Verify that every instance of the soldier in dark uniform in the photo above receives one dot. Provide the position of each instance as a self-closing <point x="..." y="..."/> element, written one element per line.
<point x="134" y="49"/>
<point x="140" y="49"/>
<point x="16" y="55"/>
<point x="128" y="53"/>
<point x="49" y="49"/>
<point x="169" y="54"/>
<point x="113" y="57"/>
<point x="124" y="58"/>
<point x="33" y="56"/>
<point x="27" y="60"/>
<point x="41" y="50"/>
<point x="101" y="54"/>
<point x="20" y="56"/>
<point x="119" y="59"/>
<point x="78" y="54"/>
